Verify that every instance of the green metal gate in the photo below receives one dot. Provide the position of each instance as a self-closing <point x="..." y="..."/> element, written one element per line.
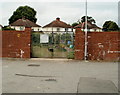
<point x="52" y="45"/>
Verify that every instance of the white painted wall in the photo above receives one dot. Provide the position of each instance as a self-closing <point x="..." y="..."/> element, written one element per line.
<point x="54" y="29"/>
<point x="92" y="30"/>
<point x="99" y="30"/>
<point x="22" y="28"/>
<point x="70" y="29"/>
<point x="36" y="28"/>
<point x="19" y="28"/>
<point x="47" y="29"/>
<point x="62" y="29"/>
<point x="0" y="28"/>
<point x="73" y="30"/>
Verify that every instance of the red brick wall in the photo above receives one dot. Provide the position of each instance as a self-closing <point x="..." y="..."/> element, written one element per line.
<point x="101" y="45"/>
<point x="79" y="44"/>
<point x="14" y="42"/>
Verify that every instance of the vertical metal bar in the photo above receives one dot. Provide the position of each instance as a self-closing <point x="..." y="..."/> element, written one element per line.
<point x="66" y="38"/>
<point x="85" y="52"/>
<point x="52" y="42"/>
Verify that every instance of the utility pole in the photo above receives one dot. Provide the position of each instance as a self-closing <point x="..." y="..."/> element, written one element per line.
<point x="86" y="42"/>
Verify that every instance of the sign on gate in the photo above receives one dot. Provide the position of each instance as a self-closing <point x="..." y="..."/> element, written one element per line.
<point x="44" y="38"/>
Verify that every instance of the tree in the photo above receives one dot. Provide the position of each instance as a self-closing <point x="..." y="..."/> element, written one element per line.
<point x="23" y="11"/>
<point x="89" y="19"/>
<point x="110" y="26"/>
<point x="75" y="24"/>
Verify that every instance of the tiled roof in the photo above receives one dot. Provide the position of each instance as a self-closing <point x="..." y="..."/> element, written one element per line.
<point x="89" y="26"/>
<point x="24" y="22"/>
<point x="57" y="23"/>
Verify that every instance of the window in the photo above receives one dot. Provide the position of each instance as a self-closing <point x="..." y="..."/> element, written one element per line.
<point x="66" y="29"/>
<point x="21" y="28"/>
<point x="58" y="29"/>
<point x="32" y="29"/>
<point x="38" y="29"/>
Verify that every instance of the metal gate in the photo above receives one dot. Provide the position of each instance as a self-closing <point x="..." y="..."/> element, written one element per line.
<point x="52" y="45"/>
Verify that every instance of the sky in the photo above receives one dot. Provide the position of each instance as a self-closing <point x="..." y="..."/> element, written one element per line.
<point x="69" y="11"/>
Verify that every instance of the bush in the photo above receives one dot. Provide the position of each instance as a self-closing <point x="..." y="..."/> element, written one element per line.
<point x="7" y="28"/>
<point x="70" y="55"/>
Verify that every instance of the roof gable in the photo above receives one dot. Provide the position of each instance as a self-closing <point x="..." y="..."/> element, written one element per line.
<point x="57" y="23"/>
<point x="89" y="26"/>
<point x="24" y="22"/>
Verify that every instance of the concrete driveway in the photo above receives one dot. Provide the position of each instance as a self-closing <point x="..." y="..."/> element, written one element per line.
<point x="53" y="75"/>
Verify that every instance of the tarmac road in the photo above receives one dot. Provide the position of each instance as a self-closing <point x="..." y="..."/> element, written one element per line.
<point x="53" y="75"/>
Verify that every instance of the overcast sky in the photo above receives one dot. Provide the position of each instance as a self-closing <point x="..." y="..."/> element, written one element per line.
<point x="69" y="11"/>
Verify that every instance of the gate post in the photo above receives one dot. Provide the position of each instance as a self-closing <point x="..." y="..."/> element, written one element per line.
<point x="79" y="44"/>
<point x="28" y="38"/>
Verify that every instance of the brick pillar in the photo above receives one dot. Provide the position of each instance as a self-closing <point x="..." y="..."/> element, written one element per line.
<point x="79" y="44"/>
<point x="27" y="48"/>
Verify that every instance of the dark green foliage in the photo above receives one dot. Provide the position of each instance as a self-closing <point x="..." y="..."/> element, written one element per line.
<point x="7" y="28"/>
<point x="35" y="38"/>
<point x="110" y="26"/>
<point x="51" y="39"/>
<point x="70" y="55"/>
<point x="89" y="19"/>
<point x="75" y="24"/>
<point x="66" y="37"/>
<point x="23" y="11"/>
<point x="57" y="39"/>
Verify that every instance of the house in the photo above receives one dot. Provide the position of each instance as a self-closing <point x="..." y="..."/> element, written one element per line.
<point x="90" y="27"/>
<point x="0" y="27"/>
<point x="20" y="25"/>
<point x="57" y="26"/>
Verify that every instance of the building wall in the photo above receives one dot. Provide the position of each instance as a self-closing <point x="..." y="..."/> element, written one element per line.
<point x="36" y="28"/>
<point x="0" y="28"/>
<point x="18" y="28"/>
<point x="101" y="45"/>
<point x="22" y="28"/>
<point x="93" y="30"/>
<point x="56" y="29"/>
<point x="16" y="44"/>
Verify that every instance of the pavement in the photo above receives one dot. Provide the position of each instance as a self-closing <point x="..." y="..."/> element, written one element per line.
<point x="94" y="85"/>
<point x="58" y="76"/>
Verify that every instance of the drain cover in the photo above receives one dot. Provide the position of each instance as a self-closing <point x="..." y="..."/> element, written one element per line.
<point x="33" y="65"/>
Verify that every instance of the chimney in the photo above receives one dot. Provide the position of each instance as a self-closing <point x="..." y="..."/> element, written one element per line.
<point x="58" y="19"/>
